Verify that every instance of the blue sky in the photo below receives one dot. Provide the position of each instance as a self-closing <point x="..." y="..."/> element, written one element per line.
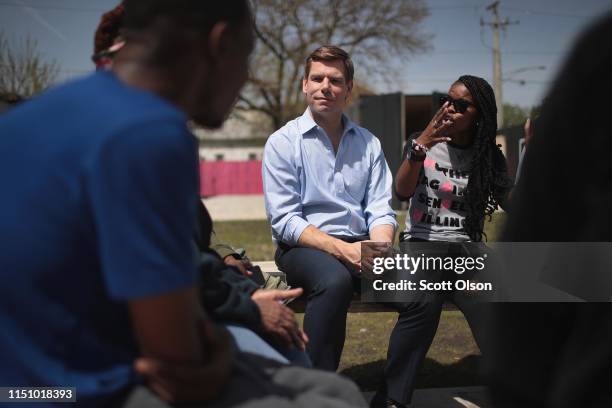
<point x="544" y="35"/>
<point x="546" y="30"/>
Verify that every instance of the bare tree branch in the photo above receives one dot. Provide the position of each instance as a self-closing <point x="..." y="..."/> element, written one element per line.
<point x="379" y="35"/>
<point x="22" y="70"/>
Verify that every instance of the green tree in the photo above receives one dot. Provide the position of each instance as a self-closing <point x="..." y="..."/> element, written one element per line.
<point x="514" y="115"/>
<point x="535" y="111"/>
<point x="23" y="72"/>
<point x="380" y="35"/>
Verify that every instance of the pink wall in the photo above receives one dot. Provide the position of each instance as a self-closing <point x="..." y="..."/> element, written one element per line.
<point x="230" y="177"/>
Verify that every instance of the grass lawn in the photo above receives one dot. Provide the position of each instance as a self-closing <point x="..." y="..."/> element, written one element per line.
<point x="255" y="236"/>
<point x="452" y="359"/>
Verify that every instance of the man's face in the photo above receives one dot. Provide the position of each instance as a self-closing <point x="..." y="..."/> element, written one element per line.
<point x="326" y="88"/>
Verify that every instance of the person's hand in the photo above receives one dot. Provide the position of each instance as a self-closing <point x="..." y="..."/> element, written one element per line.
<point x="528" y="131"/>
<point x="369" y="251"/>
<point x="278" y="320"/>
<point x="243" y="265"/>
<point x="350" y="254"/>
<point x="174" y="382"/>
<point x="434" y="133"/>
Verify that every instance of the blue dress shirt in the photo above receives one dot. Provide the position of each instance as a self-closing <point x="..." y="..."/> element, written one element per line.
<point x="305" y="183"/>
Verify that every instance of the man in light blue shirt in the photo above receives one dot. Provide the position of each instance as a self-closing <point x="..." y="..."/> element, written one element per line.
<point x="327" y="188"/>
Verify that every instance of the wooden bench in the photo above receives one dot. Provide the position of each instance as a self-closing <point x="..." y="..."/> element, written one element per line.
<point x="357" y="306"/>
<point x="298" y="305"/>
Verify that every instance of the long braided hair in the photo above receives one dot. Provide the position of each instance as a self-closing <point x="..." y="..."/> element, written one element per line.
<point x="488" y="182"/>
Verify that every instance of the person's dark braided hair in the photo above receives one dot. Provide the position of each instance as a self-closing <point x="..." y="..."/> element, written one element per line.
<point x="488" y="182"/>
<point x="108" y="29"/>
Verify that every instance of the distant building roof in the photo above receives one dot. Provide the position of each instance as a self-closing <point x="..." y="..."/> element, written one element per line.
<point x="251" y="142"/>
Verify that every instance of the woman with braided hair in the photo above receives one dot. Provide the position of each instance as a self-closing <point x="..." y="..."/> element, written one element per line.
<point x="458" y="158"/>
<point x="454" y="175"/>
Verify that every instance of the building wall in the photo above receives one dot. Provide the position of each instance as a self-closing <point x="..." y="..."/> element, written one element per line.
<point x="230" y="178"/>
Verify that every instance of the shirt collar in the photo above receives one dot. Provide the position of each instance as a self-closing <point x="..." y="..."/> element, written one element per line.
<point x="306" y="123"/>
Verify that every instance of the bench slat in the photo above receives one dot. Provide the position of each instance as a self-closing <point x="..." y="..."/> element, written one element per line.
<point x="356" y="306"/>
<point x="299" y="305"/>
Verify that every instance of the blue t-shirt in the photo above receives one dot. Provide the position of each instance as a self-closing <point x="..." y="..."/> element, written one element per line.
<point x="99" y="187"/>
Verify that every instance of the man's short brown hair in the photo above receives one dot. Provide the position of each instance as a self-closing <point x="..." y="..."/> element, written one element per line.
<point x="331" y="53"/>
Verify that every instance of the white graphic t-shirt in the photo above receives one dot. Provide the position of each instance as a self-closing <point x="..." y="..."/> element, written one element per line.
<point x="437" y="209"/>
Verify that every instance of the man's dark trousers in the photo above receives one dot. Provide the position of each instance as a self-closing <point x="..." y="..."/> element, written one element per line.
<point x="329" y="286"/>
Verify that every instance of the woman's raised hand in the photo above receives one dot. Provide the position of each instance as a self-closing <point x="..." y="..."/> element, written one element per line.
<point x="434" y="132"/>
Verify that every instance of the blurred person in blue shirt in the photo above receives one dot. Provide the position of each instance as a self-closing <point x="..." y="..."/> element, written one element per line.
<point x="96" y="258"/>
<point x="101" y="289"/>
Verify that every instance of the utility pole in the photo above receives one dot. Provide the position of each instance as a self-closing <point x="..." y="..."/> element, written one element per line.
<point x="496" y="25"/>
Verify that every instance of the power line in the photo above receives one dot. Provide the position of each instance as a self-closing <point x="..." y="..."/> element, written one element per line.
<point x="510" y="8"/>
<point x="452" y="7"/>
<point x="451" y="79"/>
<point x="439" y="7"/>
<point x="504" y="52"/>
<point x="546" y="13"/>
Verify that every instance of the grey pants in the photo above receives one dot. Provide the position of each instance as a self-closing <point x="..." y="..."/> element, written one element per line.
<point x="258" y="382"/>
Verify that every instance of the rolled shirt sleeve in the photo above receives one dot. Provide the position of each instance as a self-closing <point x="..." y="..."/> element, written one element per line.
<point x="378" y="195"/>
<point x="282" y="187"/>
